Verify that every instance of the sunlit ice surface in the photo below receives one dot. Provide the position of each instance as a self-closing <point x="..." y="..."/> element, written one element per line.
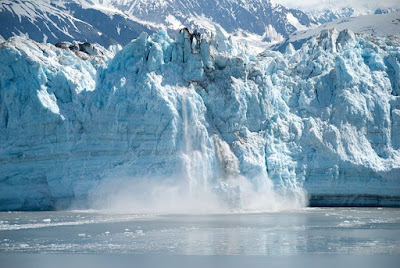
<point x="362" y="236"/>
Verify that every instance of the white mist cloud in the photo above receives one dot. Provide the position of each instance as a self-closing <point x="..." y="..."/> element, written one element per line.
<point x="175" y="196"/>
<point x="335" y="4"/>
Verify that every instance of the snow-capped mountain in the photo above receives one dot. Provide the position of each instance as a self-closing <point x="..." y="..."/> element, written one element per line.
<point x="118" y="21"/>
<point x="258" y="22"/>
<point x="333" y="14"/>
<point x="248" y="15"/>
<point x="207" y="116"/>
<point x="379" y="25"/>
<point x="328" y="15"/>
<point x="55" y="21"/>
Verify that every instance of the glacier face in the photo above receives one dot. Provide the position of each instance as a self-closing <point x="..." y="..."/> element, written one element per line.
<point x="201" y="113"/>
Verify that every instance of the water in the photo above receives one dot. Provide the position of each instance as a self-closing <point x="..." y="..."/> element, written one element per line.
<point x="315" y="231"/>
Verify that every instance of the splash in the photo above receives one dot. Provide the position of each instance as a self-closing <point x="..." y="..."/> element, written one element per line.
<point x="168" y="196"/>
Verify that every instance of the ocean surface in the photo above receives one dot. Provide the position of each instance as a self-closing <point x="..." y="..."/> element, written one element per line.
<point x="318" y="232"/>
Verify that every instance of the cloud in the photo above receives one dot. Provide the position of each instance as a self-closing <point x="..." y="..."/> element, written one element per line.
<point x="335" y="4"/>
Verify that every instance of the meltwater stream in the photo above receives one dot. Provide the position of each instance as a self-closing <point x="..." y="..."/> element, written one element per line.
<point x="315" y="231"/>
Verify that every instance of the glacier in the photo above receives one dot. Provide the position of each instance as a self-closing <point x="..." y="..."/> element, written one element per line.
<point x="201" y="117"/>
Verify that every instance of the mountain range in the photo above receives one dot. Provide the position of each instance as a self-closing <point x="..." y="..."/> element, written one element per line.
<point x="110" y="22"/>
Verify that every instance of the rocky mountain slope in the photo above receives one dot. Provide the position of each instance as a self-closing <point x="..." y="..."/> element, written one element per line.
<point x="117" y="21"/>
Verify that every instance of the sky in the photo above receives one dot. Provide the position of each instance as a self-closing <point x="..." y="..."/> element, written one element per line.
<point x="322" y="4"/>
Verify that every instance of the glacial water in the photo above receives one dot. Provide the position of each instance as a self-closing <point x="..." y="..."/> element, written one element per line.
<point x="310" y="237"/>
<point x="348" y="231"/>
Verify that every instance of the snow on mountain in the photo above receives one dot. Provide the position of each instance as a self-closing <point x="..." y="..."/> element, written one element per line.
<point x="55" y="21"/>
<point x="116" y="21"/>
<point x="205" y="118"/>
<point x="248" y="15"/>
<point x="341" y="8"/>
<point x="260" y="23"/>
<point x="379" y="25"/>
<point x="331" y="14"/>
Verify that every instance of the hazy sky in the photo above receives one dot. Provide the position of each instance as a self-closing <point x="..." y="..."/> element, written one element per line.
<point x="321" y="4"/>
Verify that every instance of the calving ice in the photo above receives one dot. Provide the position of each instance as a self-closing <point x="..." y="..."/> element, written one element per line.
<point x="201" y="122"/>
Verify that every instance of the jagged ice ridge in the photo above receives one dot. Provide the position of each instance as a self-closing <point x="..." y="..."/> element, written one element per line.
<point x="206" y="114"/>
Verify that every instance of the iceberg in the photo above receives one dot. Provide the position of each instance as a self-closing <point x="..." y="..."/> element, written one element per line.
<point x="201" y="118"/>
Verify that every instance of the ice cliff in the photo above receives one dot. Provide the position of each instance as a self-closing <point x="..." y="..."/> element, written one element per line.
<point x="205" y="113"/>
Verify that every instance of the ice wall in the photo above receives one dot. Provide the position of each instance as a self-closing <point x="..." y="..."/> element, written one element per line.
<point x="205" y="114"/>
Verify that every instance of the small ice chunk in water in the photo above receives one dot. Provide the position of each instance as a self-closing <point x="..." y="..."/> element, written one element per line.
<point x="82" y="235"/>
